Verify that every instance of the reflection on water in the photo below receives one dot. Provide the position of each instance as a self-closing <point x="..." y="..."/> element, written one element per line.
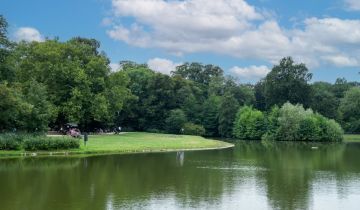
<point x="180" y="158"/>
<point x="253" y="175"/>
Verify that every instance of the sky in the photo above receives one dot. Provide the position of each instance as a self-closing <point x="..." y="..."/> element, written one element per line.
<point x="246" y="38"/>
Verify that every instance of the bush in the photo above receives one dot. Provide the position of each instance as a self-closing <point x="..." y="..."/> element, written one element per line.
<point x="309" y="129"/>
<point x="193" y="129"/>
<point x="294" y="123"/>
<point x="9" y="144"/>
<point x="249" y="124"/>
<point x="46" y="143"/>
<point x="11" y="141"/>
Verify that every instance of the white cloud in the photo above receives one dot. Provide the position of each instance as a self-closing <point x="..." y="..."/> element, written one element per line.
<point x="28" y="34"/>
<point x="341" y="61"/>
<point x="114" y="66"/>
<point x="353" y="5"/>
<point x="251" y="72"/>
<point x="164" y="66"/>
<point x="235" y="28"/>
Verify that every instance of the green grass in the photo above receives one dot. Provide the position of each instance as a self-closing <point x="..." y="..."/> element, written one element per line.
<point x="348" y="138"/>
<point x="135" y="142"/>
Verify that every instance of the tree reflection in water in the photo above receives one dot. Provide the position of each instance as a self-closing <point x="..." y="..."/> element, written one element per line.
<point x="251" y="175"/>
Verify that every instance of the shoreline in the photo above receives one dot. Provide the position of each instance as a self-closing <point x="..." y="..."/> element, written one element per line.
<point x="137" y="143"/>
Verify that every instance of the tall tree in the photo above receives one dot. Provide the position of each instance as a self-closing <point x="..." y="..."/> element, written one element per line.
<point x="6" y="72"/>
<point x="198" y="72"/>
<point x="287" y="81"/>
<point x="227" y="113"/>
<point x="323" y="100"/>
<point x="350" y="111"/>
<point x="211" y="109"/>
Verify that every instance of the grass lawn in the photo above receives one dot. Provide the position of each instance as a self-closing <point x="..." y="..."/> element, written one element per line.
<point x="135" y="142"/>
<point x="352" y="138"/>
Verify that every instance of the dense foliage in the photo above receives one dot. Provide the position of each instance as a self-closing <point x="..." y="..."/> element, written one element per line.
<point x="46" y="143"/>
<point x="193" y="129"/>
<point x="249" y="124"/>
<point x="288" y="123"/>
<point x="44" y="85"/>
<point x="29" y="142"/>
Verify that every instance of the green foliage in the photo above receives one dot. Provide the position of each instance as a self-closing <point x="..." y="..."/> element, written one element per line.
<point x="287" y="82"/>
<point x="193" y="129"/>
<point x="324" y="100"/>
<point x="175" y="121"/>
<point x="46" y="143"/>
<point x="210" y="115"/>
<point x="10" y="141"/>
<point x="76" y="77"/>
<point x="198" y="72"/>
<point x="294" y="123"/>
<point x="31" y="142"/>
<point x="228" y="109"/>
<point x="249" y="124"/>
<point x="350" y="111"/>
<point x="42" y="111"/>
<point x="13" y="108"/>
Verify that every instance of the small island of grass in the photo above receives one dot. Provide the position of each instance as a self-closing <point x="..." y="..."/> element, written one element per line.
<point x="134" y="142"/>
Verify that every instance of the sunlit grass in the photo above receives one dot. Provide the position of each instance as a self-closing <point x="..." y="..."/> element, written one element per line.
<point x="135" y="142"/>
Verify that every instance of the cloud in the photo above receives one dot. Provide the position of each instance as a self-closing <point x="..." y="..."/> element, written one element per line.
<point x="341" y="61"/>
<point x="114" y="66"/>
<point x="353" y="5"/>
<point x="28" y="34"/>
<point x="164" y="66"/>
<point x="251" y="72"/>
<point x="235" y="28"/>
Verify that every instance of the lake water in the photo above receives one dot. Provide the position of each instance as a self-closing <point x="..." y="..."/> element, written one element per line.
<point x="253" y="175"/>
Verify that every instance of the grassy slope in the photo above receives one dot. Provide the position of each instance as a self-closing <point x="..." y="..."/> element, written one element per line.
<point x="352" y="138"/>
<point x="140" y="142"/>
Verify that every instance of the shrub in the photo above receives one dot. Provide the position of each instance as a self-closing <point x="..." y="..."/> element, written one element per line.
<point x="9" y="144"/>
<point x="46" y="143"/>
<point x="272" y="123"/>
<point x="289" y="120"/>
<point x="309" y="129"/>
<point x="330" y="130"/>
<point x="249" y="124"/>
<point x="294" y="123"/>
<point x="11" y="141"/>
<point x="193" y="129"/>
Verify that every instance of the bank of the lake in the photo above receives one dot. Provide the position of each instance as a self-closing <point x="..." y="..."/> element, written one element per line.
<point x="350" y="138"/>
<point x="132" y="142"/>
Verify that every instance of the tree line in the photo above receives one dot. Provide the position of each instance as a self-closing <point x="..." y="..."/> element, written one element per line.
<point x="47" y="84"/>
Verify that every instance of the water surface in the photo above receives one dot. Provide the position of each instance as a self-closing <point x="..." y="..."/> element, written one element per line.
<point x="253" y="175"/>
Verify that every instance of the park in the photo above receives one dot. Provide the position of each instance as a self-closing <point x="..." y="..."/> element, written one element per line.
<point x="181" y="104"/>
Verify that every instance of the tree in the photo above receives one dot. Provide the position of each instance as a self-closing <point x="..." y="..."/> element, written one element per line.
<point x="323" y="100"/>
<point x="210" y="120"/>
<point x="6" y="72"/>
<point x="12" y="107"/>
<point x="259" y="89"/>
<point x="75" y="75"/>
<point x="249" y="124"/>
<point x="287" y="82"/>
<point x="175" y="121"/>
<point x="294" y="123"/>
<point x="228" y="109"/>
<point x="42" y="112"/>
<point x="350" y="111"/>
<point x="198" y="72"/>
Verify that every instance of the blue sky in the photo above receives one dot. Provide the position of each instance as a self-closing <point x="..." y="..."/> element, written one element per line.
<point x="245" y="38"/>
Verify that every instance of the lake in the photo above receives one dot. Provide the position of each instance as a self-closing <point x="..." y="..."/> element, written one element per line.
<point x="252" y="175"/>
